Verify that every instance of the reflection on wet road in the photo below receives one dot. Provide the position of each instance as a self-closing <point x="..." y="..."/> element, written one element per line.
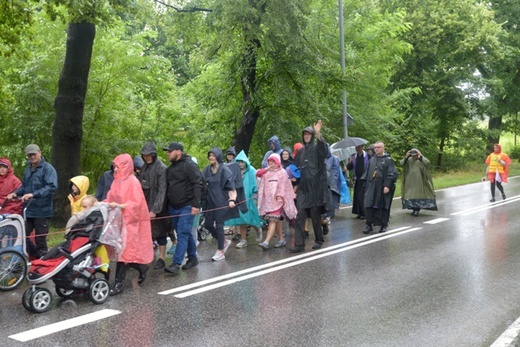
<point x="445" y="278"/>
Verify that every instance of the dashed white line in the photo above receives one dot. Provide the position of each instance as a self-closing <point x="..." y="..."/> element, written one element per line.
<point x="63" y="325"/>
<point x="435" y="221"/>
<point x="508" y="336"/>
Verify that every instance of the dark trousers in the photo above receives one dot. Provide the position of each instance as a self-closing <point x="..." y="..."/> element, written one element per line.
<point x="377" y="216"/>
<point x="214" y="223"/>
<point x="41" y="229"/>
<point x="499" y="186"/>
<point x="303" y="213"/>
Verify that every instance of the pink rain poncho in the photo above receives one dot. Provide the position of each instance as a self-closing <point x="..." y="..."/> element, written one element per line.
<point x="127" y="190"/>
<point x="274" y="184"/>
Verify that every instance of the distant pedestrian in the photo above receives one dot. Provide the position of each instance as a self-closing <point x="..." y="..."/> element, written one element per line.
<point x="379" y="180"/>
<point x="274" y="147"/>
<point x="231" y="154"/>
<point x="104" y="183"/>
<point x="126" y="193"/>
<point x="497" y="170"/>
<point x="251" y="217"/>
<point x="312" y="192"/>
<point x="153" y="182"/>
<point x="358" y="163"/>
<point x="220" y="200"/>
<point x="184" y="193"/>
<point x="417" y="189"/>
<point x="40" y="182"/>
<point x="8" y="184"/>
<point x="275" y="199"/>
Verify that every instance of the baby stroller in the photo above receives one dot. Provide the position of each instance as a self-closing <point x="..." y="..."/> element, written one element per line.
<point x="77" y="265"/>
<point x="202" y="232"/>
<point x="13" y="254"/>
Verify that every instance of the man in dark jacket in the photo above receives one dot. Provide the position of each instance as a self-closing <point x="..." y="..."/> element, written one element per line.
<point x="40" y="182"/>
<point x="153" y="181"/>
<point x="184" y="191"/>
<point x="312" y="193"/>
<point x="379" y="178"/>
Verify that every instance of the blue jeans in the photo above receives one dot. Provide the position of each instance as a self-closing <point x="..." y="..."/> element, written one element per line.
<point x="182" y="221"/>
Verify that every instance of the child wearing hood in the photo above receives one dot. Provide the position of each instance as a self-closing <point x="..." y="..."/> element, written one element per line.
<point x="78" y="190"/>
<point x="275" y="199"/>
<point x="8" y="184"/>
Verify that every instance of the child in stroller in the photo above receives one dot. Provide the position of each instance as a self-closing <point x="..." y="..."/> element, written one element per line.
<point x="74" y="265"/>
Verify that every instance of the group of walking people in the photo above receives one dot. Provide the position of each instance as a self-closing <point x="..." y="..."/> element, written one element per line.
<point x="292" y="186"/>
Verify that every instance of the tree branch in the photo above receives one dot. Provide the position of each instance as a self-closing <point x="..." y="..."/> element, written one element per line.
<point x="193" y="9"/>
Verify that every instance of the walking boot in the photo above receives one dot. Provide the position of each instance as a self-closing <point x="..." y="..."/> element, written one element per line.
<point x="368" y="229"/>
<point x="143" y="269"/>
<point x="120" y="278"/>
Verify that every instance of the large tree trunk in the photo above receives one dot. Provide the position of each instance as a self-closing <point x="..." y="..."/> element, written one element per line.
<point x="67" y="131"/>
<point x="250" y="110"/>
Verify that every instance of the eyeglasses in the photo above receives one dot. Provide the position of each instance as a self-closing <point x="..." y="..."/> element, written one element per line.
<point x="378" y="146"/>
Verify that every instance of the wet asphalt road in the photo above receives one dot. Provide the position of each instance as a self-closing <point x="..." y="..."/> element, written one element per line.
<point x="445" y="278"/>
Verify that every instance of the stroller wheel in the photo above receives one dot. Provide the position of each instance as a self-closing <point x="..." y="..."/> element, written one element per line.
<point x="99" y="291"/>
<point x="40" y="300"/>
<point x="65" y="293"/>
<point x="13" y="269"/>
<point x="202" y="233"/>
<point x="26" y="299"/>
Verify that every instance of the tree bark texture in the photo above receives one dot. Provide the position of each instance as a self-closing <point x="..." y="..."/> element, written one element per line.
<point x="250" y="110"/>
<point x="67" y="131"/>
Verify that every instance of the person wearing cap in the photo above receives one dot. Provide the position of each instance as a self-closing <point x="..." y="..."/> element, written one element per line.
<point x="39" y="183"/>
<point x="379" y="177"/>
<point x="153" y="182"/>
<point x="417" y="189"/>
<point x="312" y="193"/>
<point x="8" y="184"/>
<point x="183" y="193"/>
<point x="497" y="170"/>
<point x="357" y="163"/>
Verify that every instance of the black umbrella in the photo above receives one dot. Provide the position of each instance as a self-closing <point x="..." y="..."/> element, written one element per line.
<point x="349" y="142"/>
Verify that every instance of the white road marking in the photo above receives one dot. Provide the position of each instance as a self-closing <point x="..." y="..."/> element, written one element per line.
<point x="63" y="325"/>
<point x="508" y="336"/>
<point x="485" y="207"/>
<point x="435" y="221"/>
<point x="272" y="264"/>
<point x="313" y="257"/>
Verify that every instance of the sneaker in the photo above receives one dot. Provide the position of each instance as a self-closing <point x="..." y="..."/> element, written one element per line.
<point x="174" y="269"/>
<point x="218" y="256"/>
<point x="172" y="250"/>
<point x="227" y="243"/>
<point x="316" y="245"/>
<point x="191" y="263"/>
<point x="259" y="235"/>
<point x="241" y="244"/>
<point x="280" y="243"/>
<point x="492" y="200"/>
<point x="264" y="245"/>
<point x="503" y="196"/>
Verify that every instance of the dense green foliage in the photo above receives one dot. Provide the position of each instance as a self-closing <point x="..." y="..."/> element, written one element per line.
<point x="195" y="71"/>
